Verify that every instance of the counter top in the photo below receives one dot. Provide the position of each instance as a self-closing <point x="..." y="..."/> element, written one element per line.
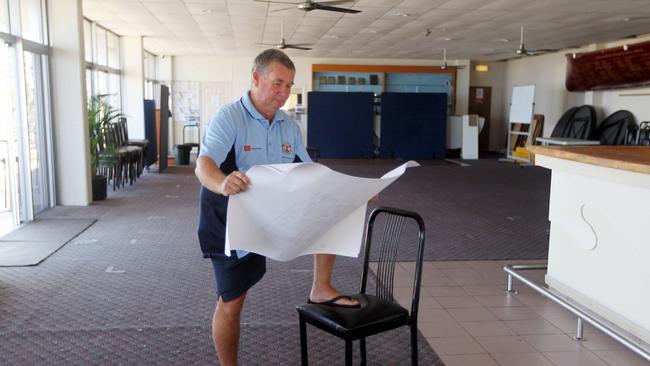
<point x="630" y="158"/>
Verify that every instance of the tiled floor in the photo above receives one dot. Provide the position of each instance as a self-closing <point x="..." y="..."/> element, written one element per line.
<point x="470" y="320"/>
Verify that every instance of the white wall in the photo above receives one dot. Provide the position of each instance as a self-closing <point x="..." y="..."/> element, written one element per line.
<point x="237" y="72"/>
<point x="548" y="73"/>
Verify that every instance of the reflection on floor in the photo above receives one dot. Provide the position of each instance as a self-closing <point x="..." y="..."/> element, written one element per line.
<point x="468" y="319"/>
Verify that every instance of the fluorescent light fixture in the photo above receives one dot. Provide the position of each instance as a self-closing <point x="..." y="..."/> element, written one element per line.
<point x="481" y="68"/>
<point x="403" y="14"/>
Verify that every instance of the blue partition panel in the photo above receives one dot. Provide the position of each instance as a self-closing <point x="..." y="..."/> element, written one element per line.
<point x="340" y="124"/>
<point x="413" y="125"/>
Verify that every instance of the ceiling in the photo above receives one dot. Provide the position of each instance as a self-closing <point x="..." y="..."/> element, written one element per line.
<point x="468" y="29"/>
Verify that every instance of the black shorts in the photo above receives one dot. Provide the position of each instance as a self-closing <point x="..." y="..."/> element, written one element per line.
<point x="236" y="275"/>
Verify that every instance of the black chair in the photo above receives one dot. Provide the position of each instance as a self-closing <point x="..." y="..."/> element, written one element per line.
<point x="379" y="312"/>
<point x="561" y="125"/>
<point x="619" y="128"/>
<point x="577" y="123"/>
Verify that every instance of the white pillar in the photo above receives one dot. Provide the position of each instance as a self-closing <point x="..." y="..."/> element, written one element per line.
<point x="68" y="96"/>
<point x="133" y="85"/>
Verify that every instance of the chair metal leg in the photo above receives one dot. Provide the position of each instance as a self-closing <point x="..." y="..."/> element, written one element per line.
<point x="362" y="349"/>
<point x="414" y="344"/>
<point x="303" y="342"/>
<point x="348" y="353"/>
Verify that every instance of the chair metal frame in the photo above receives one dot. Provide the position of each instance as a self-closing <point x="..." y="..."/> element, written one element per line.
<point x="384" y="288"/>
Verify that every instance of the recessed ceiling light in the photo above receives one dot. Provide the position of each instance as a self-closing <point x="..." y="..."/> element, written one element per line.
<point x="207" y="11"/>
<point x="504" y="40"/>
<point x="403" y="14"/>
<point x="447" y="39"/>
<point x="331" y="36"/>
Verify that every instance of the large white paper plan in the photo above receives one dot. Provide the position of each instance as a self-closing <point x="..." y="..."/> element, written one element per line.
<point x="291" y="210"/>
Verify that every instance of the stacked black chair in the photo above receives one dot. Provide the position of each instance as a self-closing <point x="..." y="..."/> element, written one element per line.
<point x="561" y="125"/>
<point x="129" y="158"/>
<point x="577" y="123"/>
<point x="379" y="312"/>
<point x="619" y="128"/>
<point x="142" y="143"/>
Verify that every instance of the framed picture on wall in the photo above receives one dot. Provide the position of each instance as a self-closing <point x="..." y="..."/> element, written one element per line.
<point x="374" y="79"/>
<point x="331" y="80"/>
<point x="361" y="81"/>
<point x="322" y="80"/>
<point x="341" y="80"/>
<point x="352" y="80"/>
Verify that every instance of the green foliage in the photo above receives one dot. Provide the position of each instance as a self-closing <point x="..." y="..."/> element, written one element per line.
<point x="100" y="117"/>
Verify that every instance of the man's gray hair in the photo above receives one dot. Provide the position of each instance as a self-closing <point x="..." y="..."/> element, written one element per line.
<point x="264" y="59"/>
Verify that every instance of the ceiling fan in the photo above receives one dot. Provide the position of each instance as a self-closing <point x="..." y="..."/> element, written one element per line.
<point x="310" y="5"/>
<point x="283" y="45"/>
<point x="523" y="51"/>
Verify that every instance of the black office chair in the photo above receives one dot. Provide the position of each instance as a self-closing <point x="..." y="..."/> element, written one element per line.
<point x="379" y="312"/>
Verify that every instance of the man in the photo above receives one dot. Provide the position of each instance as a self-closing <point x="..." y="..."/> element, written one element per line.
<point x="248" y="132"/>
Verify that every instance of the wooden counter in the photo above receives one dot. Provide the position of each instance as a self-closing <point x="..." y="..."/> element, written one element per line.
<point x="630" y="158"/>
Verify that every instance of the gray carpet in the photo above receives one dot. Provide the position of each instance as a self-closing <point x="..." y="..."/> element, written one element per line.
<point x="32" y="243"/>
<point x="133" y="289"/>
<point x="489" y="210"/>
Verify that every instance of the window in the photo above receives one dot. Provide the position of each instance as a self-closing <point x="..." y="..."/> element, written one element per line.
<point x="32" y="19"/>
<point x="26" y="169"/>
<point x="113" y="50"/>
<point x="150" y="78"/>
<point x="88" y="41"/>
<point x="4" y="16"/>
<point x="102" y="62"/>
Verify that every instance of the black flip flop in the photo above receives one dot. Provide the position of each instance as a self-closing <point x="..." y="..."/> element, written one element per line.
<point x="332" y="302"/>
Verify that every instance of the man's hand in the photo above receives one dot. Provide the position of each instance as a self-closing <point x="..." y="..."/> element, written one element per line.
<point x="234" y="183"/>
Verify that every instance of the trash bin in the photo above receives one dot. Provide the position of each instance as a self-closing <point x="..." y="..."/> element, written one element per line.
<point x="182" y="154"/>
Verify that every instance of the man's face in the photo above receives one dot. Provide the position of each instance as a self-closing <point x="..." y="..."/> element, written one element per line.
<point x="272" y="87"/>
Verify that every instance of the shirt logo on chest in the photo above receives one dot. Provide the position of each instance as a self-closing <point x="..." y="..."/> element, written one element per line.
<point x="286" y="148"/>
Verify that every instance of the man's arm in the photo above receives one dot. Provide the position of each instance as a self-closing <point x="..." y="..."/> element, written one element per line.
<point x="212" y="178"/>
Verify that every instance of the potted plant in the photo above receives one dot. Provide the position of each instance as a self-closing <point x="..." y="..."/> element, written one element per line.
<point x="102" y="146"/>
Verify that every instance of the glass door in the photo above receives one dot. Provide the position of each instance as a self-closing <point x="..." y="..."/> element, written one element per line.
<point x="37" y="163"/>
<point x="9" y="194"/>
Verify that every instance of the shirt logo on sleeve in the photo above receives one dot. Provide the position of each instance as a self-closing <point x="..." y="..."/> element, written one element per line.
<point x="247" y="148"/>
<point x="286" y="148"/>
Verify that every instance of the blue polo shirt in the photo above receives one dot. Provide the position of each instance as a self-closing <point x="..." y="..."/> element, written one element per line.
<point x="237" y="138"/>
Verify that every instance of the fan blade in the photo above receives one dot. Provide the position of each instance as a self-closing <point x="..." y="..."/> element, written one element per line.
<point x="334" y="2"/>
<point x="276" y="2"/>
<point x="297" y="47"/>
<point x="282" y="9"/>
<point x="318" y="6"/>
<point x="542" y="50"/>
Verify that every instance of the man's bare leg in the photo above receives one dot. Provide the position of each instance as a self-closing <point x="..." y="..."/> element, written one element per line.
<point x="225" y="330"/>
<point x="321" y="288"/>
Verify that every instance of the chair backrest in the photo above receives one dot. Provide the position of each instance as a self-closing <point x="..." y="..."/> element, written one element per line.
<point x="119" y="132"/>
<point x="561" y="125"/>
<point x="615" y="128"/>
<point x="125" y="129"/>
<point x="389" y="244"/>
<point x="582" y="125"/>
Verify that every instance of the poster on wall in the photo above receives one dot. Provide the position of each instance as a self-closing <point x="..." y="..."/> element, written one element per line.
<point x="186" y="101"/>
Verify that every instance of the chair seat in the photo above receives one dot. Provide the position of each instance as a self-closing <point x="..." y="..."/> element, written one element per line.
<point x="128" y="149"/>
<point x="350" y="322"/>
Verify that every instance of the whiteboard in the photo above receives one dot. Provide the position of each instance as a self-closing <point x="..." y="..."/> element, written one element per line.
<point x="521" y="106"/>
